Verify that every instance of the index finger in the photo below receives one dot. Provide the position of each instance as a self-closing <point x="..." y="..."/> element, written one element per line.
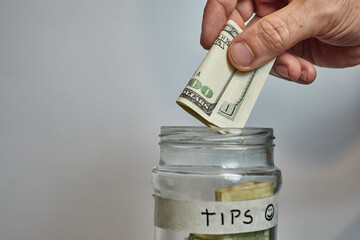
<point x="216" y="14"/>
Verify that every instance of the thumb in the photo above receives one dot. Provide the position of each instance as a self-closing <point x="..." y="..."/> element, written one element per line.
<point x="271" y="35"/>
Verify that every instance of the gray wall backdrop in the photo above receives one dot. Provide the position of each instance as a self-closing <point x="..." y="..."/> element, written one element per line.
<point x="84" y="89"/>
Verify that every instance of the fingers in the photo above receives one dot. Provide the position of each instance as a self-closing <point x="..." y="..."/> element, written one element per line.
<point x="327" y="55"/>
<point x="245" y="8"/>
<point x="266" y="7"/>
<point x="216" y="14"/>
<point x="236" y="17"/>
<point x="293" y="68"/>
<point x="271" y="36"/>
<point x="352" y="55"/>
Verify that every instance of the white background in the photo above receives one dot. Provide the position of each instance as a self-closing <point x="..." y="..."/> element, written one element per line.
<point x="84" y="89"/>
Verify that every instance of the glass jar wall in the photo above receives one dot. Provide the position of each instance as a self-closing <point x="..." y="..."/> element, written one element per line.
<point x="215" y="183"/>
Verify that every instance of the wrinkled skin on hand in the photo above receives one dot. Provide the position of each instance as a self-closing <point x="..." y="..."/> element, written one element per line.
<point x="300" y="33"/>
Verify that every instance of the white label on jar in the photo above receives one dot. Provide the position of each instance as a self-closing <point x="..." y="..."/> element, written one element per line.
<point x="206" y="217"/>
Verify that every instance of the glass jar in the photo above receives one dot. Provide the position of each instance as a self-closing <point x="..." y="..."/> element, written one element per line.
<point x="214" y="183"/>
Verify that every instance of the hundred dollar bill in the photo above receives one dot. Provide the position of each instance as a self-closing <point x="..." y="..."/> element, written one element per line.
<point x="218" y="94"/>
<point x="260" y="235"/>
<point x="241" y="192"/>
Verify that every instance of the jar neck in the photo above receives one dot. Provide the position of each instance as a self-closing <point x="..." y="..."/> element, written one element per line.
<point x="224" y="148"/>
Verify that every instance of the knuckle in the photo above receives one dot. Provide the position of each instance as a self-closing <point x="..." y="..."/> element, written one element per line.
<point x="274" y="33"/>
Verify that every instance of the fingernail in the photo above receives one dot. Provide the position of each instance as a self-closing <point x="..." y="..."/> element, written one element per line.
<point x="282" y="71"/>
<point x="241" y="54"/>
<point x="303" y="75"/>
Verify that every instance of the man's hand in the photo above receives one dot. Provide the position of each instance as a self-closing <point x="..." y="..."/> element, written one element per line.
<point x="300" y="33"/>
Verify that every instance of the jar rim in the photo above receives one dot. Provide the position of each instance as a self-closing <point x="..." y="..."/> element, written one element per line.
<point x="248" y="136"/>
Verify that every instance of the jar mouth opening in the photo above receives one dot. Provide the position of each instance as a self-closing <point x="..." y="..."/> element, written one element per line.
<point x="217" y="136"/>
